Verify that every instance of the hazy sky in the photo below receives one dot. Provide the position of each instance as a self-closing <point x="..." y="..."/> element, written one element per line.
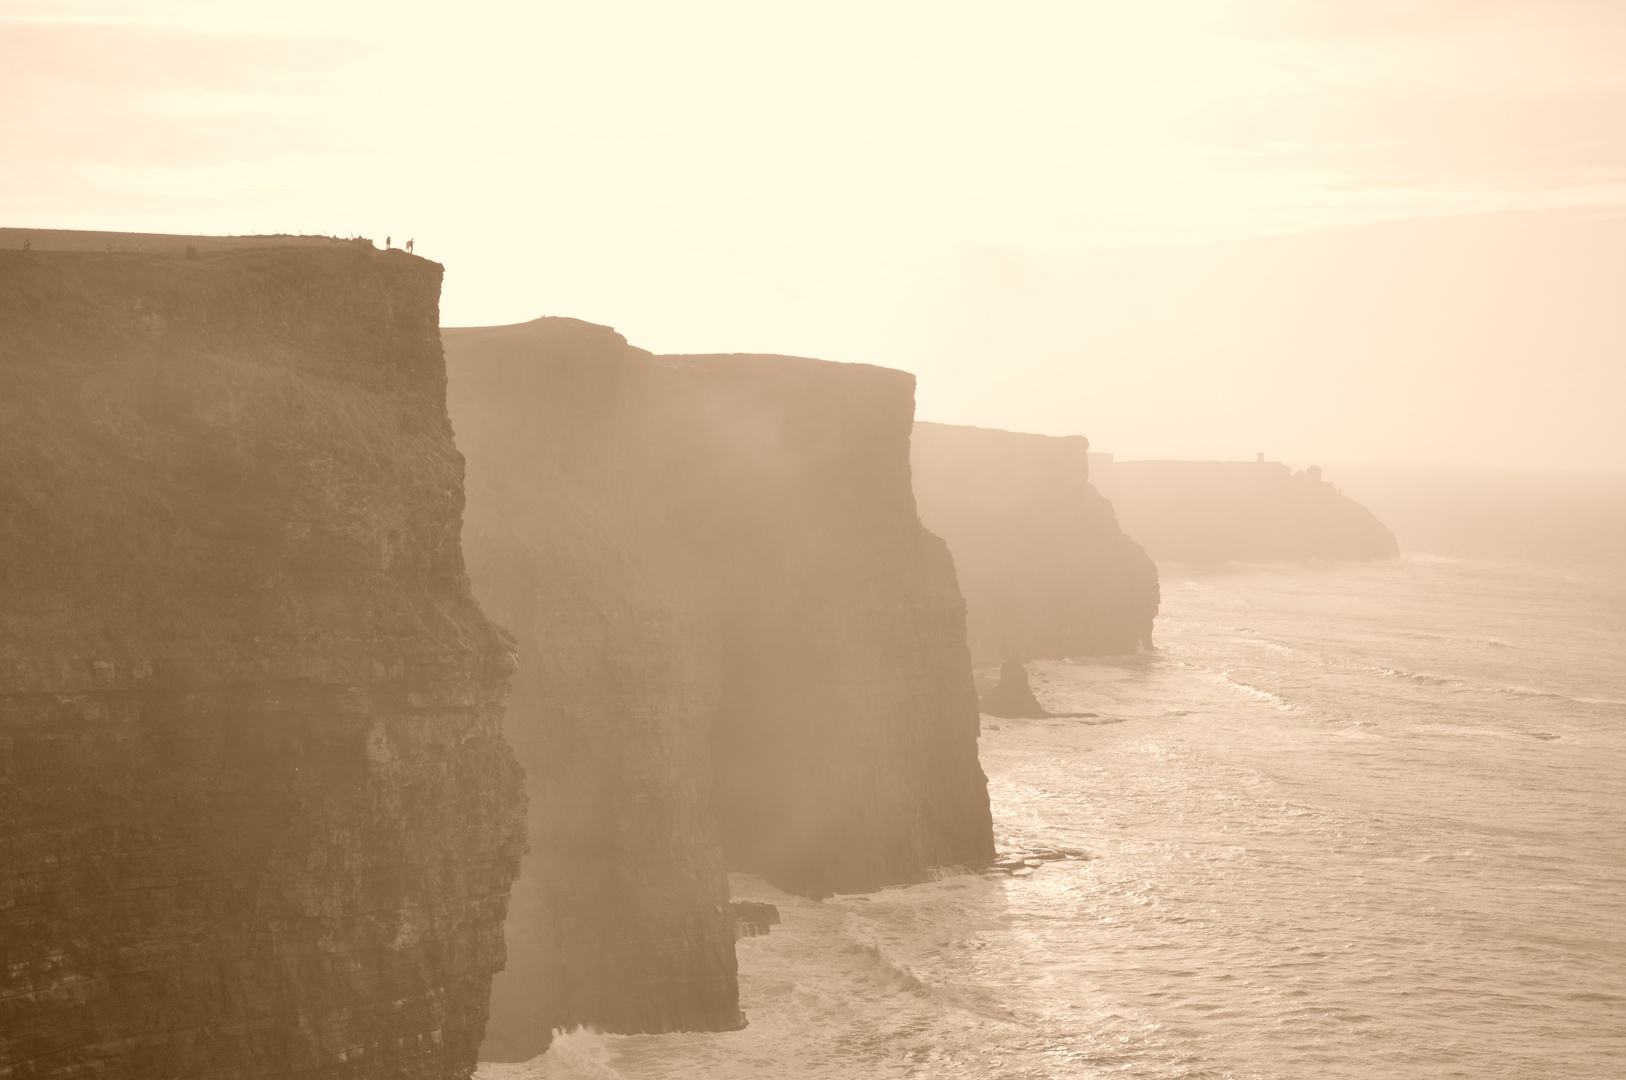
<point x="1042" y="209"/>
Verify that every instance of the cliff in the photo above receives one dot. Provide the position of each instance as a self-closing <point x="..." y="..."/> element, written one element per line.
<point x="1046" y="570"/>
<point x="257" y="818"/>
<point x="1259" y="511"/>
<point x="620" y="916"/>
<point x="738" y="646"/>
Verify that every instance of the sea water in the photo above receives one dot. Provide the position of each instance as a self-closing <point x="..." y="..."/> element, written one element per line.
<point x="1347" y="820"/>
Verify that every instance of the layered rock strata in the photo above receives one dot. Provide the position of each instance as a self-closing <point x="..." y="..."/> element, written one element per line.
<point x="1046" y="570"/>
<point x="738" y="646"/>
<point x="257" y="818"/>
<point x="1217" y="511"/>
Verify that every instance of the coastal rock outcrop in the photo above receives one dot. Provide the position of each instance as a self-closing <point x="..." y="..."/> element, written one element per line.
<point x="754" y="918"/>
<point x="257" y="817"/>
<point x="739" y="648"/>
<point x="1046" y="570"/>
<point x="1260" y="511"/>
<point x="1012" y="697"/>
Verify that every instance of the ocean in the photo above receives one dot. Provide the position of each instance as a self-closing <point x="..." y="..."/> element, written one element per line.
<point x="1347" y="820"/>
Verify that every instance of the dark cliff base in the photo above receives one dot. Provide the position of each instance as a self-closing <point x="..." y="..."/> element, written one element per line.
<point x="1046" y="570"/>
<point x="1217" y="511"/>
<point x="738" y="648"/>
<point x="256" y="815"/>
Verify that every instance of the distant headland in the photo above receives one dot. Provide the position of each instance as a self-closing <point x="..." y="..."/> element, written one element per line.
<point x="1218" y="511"/>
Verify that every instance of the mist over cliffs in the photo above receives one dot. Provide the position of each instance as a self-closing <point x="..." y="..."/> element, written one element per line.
<point x="739" y="648"/>
<point x="1216" y="511"/>
<point x="1045" y="568"/>
<point x="257" y="817"/>
<point x="262" y="804"/>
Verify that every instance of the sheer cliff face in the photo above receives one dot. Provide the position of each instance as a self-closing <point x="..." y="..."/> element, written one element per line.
<point x="1215" y="511"/>
<point x="620" y="917"/>
<point x="259" y="818"/>
<point x="1046" y="570"/>
<point x="747" y="653"/>
<point x="844" y="739"/>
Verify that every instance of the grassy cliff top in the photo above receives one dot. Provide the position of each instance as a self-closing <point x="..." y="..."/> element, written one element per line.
<point x="153" y="243"/>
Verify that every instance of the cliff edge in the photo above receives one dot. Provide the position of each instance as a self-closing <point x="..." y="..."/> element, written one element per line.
<point x="257" y="818"/>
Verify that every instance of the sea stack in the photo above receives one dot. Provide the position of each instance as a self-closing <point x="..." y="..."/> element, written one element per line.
<point x="257" y="817"/>
<point x="1046" y="570"/>
<point x="739" y="649"/>
<point x="1012" y="697"/>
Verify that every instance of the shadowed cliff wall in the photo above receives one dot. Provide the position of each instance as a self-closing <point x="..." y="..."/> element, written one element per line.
<point x="1045" y="568"/>
<point x="1216" y="511"/>
<point x="747" y="652"/>
<point x="257" y="818"/>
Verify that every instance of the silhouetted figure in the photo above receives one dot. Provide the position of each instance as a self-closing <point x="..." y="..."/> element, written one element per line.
<point x="409" y="247"/>
<point x="387" y="244"/>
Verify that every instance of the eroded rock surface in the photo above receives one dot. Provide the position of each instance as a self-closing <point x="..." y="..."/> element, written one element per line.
<point x="257" y="818"/>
